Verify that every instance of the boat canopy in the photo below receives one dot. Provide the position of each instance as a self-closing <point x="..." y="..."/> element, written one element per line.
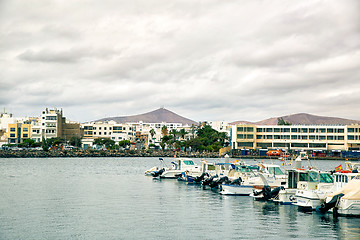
<point x="351" y="190"/>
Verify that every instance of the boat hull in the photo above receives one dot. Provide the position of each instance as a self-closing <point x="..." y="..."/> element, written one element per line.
<point x="239" y="190"/>
<point x="286" y="197"/>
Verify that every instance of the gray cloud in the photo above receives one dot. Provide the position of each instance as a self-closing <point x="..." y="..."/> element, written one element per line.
<point x="223" y="60"/>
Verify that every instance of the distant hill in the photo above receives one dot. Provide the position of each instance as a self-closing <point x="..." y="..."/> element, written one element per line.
<point x="157" y="116"/>
<point x="303" y="118"/>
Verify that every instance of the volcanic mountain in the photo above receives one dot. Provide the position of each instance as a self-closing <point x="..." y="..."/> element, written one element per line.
<point x="303" y="118"/>
<point x="157" y="116"/>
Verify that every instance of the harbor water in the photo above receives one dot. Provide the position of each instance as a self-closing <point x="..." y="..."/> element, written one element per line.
<point x="110" y="198"/>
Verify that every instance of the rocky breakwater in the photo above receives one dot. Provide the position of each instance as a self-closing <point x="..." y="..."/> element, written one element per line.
<point x="102" y="153"/>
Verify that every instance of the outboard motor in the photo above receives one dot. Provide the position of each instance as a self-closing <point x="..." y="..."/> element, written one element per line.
<point x="332" y="203"/>
<point x="266" y="192"/>
<point x="215" y="184"/>
<point x="236" y="181"/>
<point x="158" y="173"/>
<point x="276" y="191"/>
<point x="201" y="177"/>
<point x="207" y="181"/>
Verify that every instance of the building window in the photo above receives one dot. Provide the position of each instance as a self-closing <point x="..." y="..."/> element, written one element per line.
<point x="240" y="129"/>
<point x="330" y="130"/>
<point x="330" y="137"/>
<point x="25" y="135"/>
<point x="51" y="118"/>
<point x="269" y="130"/>
<point x="12" y="135"/>
<point x="351" y="137"/>
<point x="12" y="129"/>
<point x="294" y="130"/>
<point x="293" y="136"/>
<point x="340" y="130"/>
<point x="25" y="129"/>
<point x="340" y="137"/>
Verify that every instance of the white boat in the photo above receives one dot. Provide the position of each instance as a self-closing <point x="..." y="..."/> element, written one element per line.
<point x="247" y="176"/>
<point x="312" y="188"/>
<point x="266" y="174"/>
<point x="346" y="201"/>
<point x="287" y="196"/>
<point x="179" y="165"/>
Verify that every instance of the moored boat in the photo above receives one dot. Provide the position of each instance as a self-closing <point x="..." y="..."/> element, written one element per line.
<point x="312" y="188"/>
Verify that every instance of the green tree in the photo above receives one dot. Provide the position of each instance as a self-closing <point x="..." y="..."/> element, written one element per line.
<point x="28" y="143"/>
<point x="152" y="133"/>
<point x="182" y="133"/>
<point x="281" y="121"/>
<point x="75" y="141"/>
<point x="164" y="131"/>
<point x="107" y="142"/>
<point x="173" y="133"/>
<point x="124" y="143"/>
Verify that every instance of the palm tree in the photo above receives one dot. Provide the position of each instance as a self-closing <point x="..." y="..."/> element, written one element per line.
<point x="164" y="131"/>
<point x="182" y="133"/>
<point x="152" y="133"/>
<point x="174" y="133"/>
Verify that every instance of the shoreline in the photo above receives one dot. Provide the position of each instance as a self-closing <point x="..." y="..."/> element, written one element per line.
<point x="133" y="153"/>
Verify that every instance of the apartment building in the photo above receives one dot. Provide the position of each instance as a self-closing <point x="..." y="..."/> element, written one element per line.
<point x="110" y="129"/>
<point x="308" y="137"/>
<point x="18" y="132"/>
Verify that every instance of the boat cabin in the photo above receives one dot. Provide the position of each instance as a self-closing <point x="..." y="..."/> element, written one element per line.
<point x="312" y="179"/>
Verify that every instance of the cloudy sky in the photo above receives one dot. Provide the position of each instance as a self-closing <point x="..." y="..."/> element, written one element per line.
<point x="203" y="59"/>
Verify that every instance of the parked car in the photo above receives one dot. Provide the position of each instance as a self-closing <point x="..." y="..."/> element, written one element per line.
<point x="273" y="153"/>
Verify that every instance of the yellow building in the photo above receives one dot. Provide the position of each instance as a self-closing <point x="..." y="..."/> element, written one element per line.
<point x="18" y="132"/>
<point x="310" y="137"/>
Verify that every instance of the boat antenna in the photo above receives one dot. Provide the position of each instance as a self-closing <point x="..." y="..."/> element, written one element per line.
<point x="162" y="161"/>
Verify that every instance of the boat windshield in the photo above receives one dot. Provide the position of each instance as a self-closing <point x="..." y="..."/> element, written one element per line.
<point x="313" y="177"/>
<point x="304" y="177"/>
<point x="326" y="178"/>
<point x="211" y="167"/>
<point x="189" y="162"/>
<point x="275" y="171"/>
<point x="242" y="169"/>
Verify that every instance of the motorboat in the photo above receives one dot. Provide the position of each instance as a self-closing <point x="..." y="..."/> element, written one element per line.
<point x="312" y="188"/>
<point x="287" y="196"/>
<point x="346" y="201"/>
<point x="242" y="178"/>
<point x="254" y="177"/>
<point x="179" y="165"/>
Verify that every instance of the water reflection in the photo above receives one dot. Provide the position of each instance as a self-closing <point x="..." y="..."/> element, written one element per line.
<point x="112" y="199"/>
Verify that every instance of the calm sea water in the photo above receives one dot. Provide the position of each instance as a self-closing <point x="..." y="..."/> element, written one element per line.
<point x="110" y="198"/>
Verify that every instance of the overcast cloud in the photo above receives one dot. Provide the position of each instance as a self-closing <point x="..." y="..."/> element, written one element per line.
<point x="203" y="59"/>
